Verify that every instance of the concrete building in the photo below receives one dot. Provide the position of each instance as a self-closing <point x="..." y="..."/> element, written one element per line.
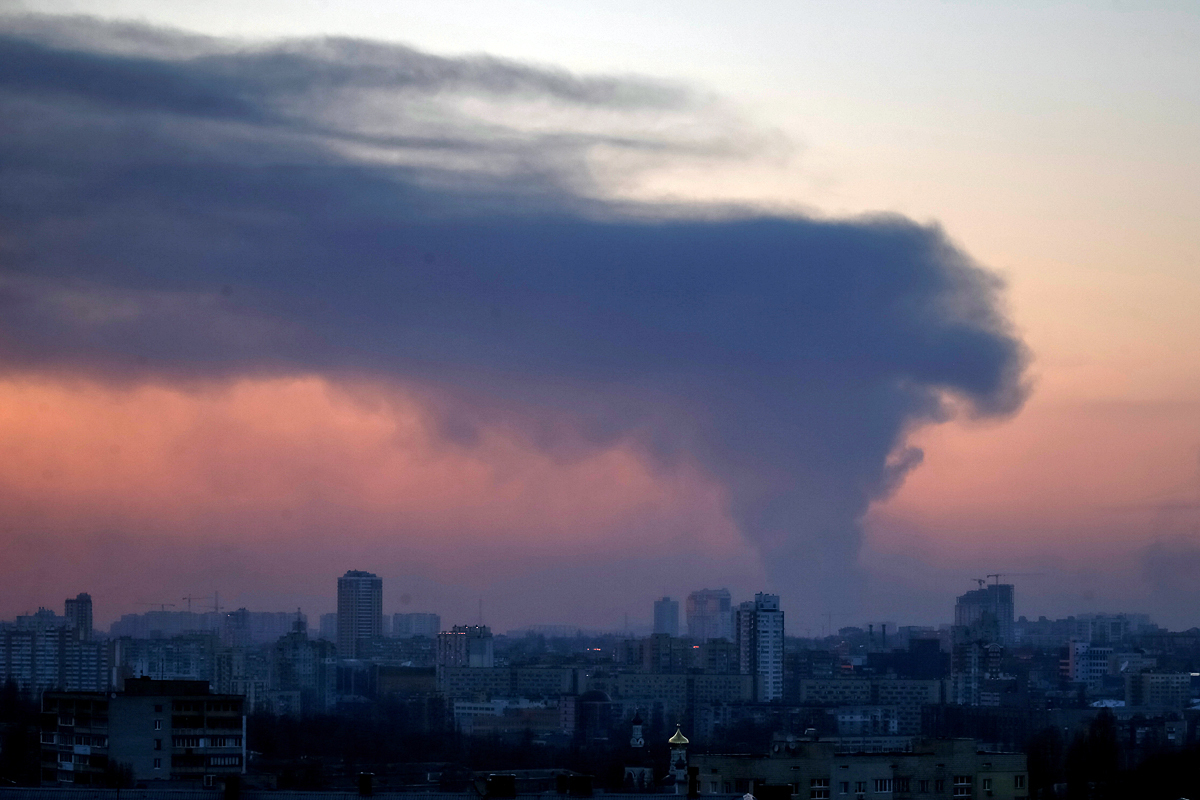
<point x="988" y="613"/>
<point x="666" y="616"/>
<point x="360" y="611"/>
<point x="1088" y="664"/>
<point x="406" y="626"/>
<point x="44" y="651"/>
<point x="710" y="615"/>
<point x="949" y="768"/>
<point x="161" y="730"/>
<point x="1158" y="690"/>
<point x="759" y="637"/>
<point x="307" y="667"/>
<point x="78" y="611"/>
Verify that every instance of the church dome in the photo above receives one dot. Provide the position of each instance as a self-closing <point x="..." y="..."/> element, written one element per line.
<point x="678" y="738"/>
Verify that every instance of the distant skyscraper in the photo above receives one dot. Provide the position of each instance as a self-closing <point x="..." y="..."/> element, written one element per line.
<point x="360" y="611"/>
<point x="79" y="615"/>
<point x="710" y="615"/>
<point x="988" y="613"/>
<point x="328" y="627"/>
<point x="666" y="616"/>
<point x="406" y="626"/>
<point x="760" y="645"/>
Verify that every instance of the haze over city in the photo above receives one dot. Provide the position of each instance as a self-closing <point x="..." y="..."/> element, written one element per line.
<point x="559" y="311"/>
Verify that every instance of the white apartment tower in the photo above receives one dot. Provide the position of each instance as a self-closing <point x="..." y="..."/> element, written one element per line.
<point x="760" y="645"/>
<point x="360" y="611"/>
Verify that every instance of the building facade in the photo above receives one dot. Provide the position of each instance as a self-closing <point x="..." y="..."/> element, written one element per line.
<point x="759" y="636"/>
<point x="933" y="769"/>
<point x="360" y="611"/>
<point x="160" y="730"/>
<point x="666" y="616"/>
<point x="710" y="615"/>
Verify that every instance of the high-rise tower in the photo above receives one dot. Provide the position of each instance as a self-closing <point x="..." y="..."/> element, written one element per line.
<point x="987" y="612"/>
<point x="360" y="611"/>
<point x="710" y="615"/>
<point x="666" y="616"/>
<point x="78" y="612"/>
<point x="760" y="645"/>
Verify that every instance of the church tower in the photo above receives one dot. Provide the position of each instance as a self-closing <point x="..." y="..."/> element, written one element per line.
<point x="679" y="770"/>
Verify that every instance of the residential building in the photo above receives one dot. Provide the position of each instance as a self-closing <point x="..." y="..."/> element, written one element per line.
<point x="1158" y="690"/>
<point x="988" y="612"/>
<point x="160" y="730"/>
<point x="666" y="616"/>
<point x="759" y="637"/>
<point x="947" y="768"/>
<point x="710" y="615"/>
<point x="78" y="611"/>
<point x="360" y="611"/>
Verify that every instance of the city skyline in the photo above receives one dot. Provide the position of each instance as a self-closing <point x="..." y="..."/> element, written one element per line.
<point x="546" y="311"/>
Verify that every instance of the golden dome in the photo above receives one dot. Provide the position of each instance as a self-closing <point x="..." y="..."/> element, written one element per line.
<point x="678" y="738"/>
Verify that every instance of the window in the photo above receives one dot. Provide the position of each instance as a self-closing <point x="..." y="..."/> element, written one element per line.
<point x="1018" y="781"/>
<point x="883" y="785"/>
<point x="962" y="785"/>
<point x="158" y="763"/>
<point x="158" y="744"/>
<point x="844" y="787"/>
<point x="860" y="786"/>
<point x="158" y="708"/>
<point x="818" y="788"/>
<point x="939" y="785"/>
<point x="987" y="784"/>
<point x="712" y="786"/>
<point x="902" y="785"/>
<point x="158" y="724"/>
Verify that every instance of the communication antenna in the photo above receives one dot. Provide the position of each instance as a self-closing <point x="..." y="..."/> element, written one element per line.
<point x="481" y="612"/>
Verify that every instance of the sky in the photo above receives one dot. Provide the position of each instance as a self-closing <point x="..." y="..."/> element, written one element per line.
<point x="563" y="307"/>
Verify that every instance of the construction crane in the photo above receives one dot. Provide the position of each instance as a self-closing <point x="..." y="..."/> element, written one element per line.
<point x="190" y="598"/>
<point x="999" y="575"/>
<point x="162" y="606"/>
<point x="980" y="581"/>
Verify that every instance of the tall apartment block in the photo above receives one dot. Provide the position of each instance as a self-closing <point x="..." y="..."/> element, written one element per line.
<point x="79" y="615"/>
<point x="360" y="611"/>
<point x="710" y="615"/>
<point x="988" y="613"/>
<point x="760" y="645"/>
<point x="666" y="616"/>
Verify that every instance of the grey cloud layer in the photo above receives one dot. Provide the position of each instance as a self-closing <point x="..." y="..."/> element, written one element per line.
<point x="195" y="215"/>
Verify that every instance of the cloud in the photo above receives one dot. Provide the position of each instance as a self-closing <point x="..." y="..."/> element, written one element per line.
<point x="341" y="208"/>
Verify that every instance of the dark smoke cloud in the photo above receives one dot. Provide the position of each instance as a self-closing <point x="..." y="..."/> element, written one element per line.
<point x="176" y="205"/>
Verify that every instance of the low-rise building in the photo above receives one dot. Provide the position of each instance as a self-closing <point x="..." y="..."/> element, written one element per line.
<point x="160" y="730"/>
<point x="814" y="770"/>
